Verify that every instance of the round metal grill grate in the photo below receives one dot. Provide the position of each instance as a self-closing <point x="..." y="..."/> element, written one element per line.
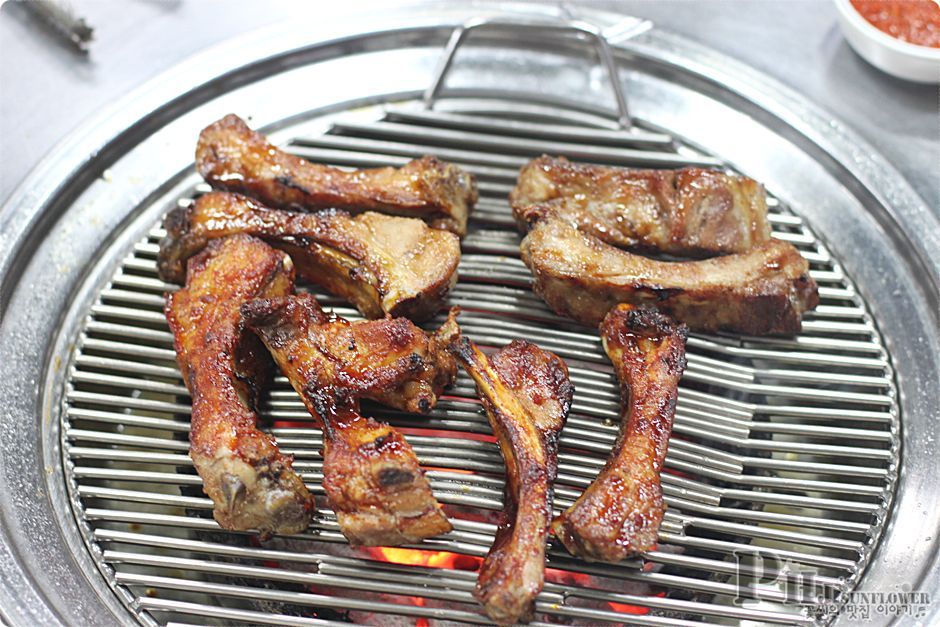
<point x="780" y="469"/>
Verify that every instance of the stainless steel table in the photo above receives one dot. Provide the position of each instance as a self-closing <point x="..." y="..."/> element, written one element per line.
<point x="46" y="89"/>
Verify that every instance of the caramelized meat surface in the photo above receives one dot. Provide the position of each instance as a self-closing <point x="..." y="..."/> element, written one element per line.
<point x="691" y="212"/>
<point x="230" y="156"/>
<point x="527" y="395"/>
<point x="370" y="473"/>
<point x="250" y="482"/>
<point x="759" y="292"/>
<point x="381" y="264"/>
<point x="620" y="512"/>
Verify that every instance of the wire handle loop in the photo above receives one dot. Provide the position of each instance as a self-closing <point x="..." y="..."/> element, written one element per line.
<point x="460" y="33"/>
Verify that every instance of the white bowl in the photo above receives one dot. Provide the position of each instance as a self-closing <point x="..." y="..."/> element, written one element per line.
<point x="896" y="57"/>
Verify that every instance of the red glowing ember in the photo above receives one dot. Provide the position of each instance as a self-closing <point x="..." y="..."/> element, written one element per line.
<point x="567" y="577"/>
<point x="431" y="559"/>
<point x="291" y="424"/>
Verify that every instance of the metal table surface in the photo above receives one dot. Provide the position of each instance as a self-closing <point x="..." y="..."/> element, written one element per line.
<point x="46" y="89"/>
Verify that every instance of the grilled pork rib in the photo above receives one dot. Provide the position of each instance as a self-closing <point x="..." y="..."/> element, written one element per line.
<point x="620" y="512"/>
<point x="691" y="212"/>
<point x="370" y="473"/>
<point x="250" y="482"/>
<point x="230" y="156"/>
<point x="527" y="395"/>
<point x="759" y="292"/>
<point x="382" y="264"/>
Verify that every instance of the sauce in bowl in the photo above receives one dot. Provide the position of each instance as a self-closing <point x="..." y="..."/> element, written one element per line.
<point x="914" y="21"/>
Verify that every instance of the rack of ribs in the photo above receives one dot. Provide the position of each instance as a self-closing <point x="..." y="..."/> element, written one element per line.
<point x="527" y="395"/>
<point x="620" y="512"/>
<point x="759" y="292"/>
<point x="251" y="483"/>
<point x="381" y="264"/>
<point x="688" y="212"/>
<point x="370" y="473"/>
<point x="230" y="156"/>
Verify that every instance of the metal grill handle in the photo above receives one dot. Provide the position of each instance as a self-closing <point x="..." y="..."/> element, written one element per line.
<point x="583" y="29"/>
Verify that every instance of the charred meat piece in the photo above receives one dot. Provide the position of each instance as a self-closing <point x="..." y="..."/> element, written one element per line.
<point x="250" y="482"/>
<point x="527" y="395"/>
<point x="391" y="360"/>
<point x="230" y="156"/>
<point x="620" y="512"/>
<point x="690" y="212"/>
<point x="370" y="473"/>
<point x="374" y="484"/>
<point x="382" y="264"/>
<point x="760" y="292"/>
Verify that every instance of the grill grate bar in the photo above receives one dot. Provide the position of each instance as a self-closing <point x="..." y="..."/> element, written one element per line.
<point x="429" y="590"/>
<point x="461" y="156"/>
<point x="561" y="132"/>
<point x="444" y="418"/>
<point x="675" y="496"/>
<point x="298" y="598"/>
<point x="494" y="502"/>
<point x="578" y="476"/>
<point x="496" y="331"/>
<point x="502" y="143"/>
<point x="597" y="404"/>
<point x="672" y="484"/>
<point x="683" y="452"/>
<point x="337" y="602"/>
<point x="741" y="373"/>
<point x="215" y="611"/>
<point x="479" y="545"/>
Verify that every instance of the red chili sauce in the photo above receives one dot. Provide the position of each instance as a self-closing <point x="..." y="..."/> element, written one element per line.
<point x="913" y="21"/>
